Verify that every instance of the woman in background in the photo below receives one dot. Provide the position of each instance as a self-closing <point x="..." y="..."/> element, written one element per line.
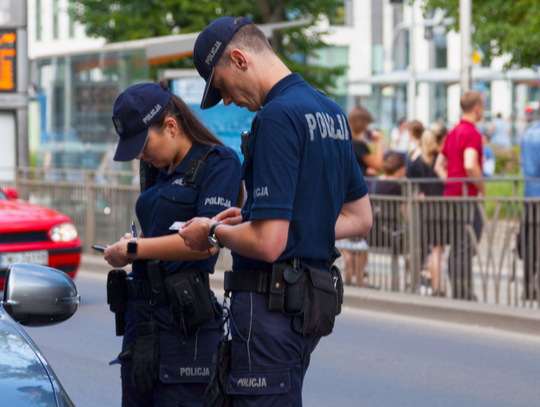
<point x="430" y="230"/>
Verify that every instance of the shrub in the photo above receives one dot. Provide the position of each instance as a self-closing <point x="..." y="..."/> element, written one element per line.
<point x="507" y="160"/>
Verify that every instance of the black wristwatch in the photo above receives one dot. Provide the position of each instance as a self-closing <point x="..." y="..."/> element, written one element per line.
<point x="212" y="236"/>
<point x="132" y="249"/>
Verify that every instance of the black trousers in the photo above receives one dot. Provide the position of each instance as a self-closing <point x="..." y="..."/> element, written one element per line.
<point x="462" y="215"/>
<point x="528" y="246"/>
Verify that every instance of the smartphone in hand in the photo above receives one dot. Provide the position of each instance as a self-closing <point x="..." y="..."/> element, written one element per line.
<point x="100" y="249"/>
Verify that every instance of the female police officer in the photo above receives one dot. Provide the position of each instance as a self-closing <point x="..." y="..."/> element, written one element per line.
<point x="167" y="352"/>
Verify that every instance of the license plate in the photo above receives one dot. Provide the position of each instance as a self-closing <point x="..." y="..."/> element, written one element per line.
<point x="36" y="257"/>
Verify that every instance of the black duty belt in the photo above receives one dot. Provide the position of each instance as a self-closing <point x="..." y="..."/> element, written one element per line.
<point x="138" y="288"/>
<point x="250" y="280"/>
<point x="141" y="288"/>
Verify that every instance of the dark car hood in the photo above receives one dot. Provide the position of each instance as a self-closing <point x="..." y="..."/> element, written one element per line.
<point x="25" y="377"/>
<point x="20" y="214"/>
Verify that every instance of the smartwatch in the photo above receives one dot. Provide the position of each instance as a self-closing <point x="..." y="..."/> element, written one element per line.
<point x="212" y="236"/>
<point x="132" y="249"/>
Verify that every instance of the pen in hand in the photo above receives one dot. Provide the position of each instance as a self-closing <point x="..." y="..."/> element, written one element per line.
<point x="133" y="229"/>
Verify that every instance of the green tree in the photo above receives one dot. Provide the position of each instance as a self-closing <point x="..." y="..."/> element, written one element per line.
<point x="122" y="20"/>
<point x="501" y="27"/>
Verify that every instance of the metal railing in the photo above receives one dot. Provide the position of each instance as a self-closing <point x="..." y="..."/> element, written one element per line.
<point x="488" y="246"/>
<point x="493" y="263"/>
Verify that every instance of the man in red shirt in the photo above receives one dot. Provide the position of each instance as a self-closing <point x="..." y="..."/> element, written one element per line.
<point x="461" y="157"/>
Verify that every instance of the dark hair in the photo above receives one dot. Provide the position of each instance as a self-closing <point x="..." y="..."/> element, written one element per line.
<point x="416" y="128"/>
<point x="187" y="120"/>
<point x="248" y="37"/>
<point x="470" y="100"/>
<point x="392" y="162"/>
<point x="192" y="127"/>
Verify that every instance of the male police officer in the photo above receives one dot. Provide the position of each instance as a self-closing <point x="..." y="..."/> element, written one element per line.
<point x="304" y="190"/>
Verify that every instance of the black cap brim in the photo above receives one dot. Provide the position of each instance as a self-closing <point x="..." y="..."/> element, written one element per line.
<point x="129" y="148"/>
<point x="211" y="96"/>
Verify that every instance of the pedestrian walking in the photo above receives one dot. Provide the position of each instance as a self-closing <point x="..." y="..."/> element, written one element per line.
<point x="461" y="157"/>
<point x="304" y="191"/>
<point x="171" y="317"/>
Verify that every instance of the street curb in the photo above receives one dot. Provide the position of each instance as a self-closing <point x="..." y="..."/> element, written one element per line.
<point x="514" y="319"/>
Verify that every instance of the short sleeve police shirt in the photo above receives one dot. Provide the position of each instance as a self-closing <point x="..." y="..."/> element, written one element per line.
<point x="169" y="200"/>
<point x="303" y="169"/>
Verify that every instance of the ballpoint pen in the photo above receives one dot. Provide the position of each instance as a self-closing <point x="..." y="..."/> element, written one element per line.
<point x="133" y="229"/>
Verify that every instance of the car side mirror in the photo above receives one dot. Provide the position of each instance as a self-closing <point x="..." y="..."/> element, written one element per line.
<point x="37" y="295"/>
<point x="11" y="193"/>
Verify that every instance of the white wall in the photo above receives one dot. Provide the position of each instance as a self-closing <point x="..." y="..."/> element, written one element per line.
<point x="48" y="45"/>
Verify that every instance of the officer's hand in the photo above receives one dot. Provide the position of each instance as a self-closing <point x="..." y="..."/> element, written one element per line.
<point x="116" y="255"/>
<point x="231" y="216"/>
<point x="195" y="233"/>
<point x="126" y="236"/>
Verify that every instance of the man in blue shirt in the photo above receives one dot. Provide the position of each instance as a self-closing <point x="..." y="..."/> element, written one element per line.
<point x="304" y="191"/>
<point x="530" y="158"/>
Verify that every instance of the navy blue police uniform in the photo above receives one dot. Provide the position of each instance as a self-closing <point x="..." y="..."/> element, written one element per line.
<point x="302" y="169"/>
<point x="185" y="360"/>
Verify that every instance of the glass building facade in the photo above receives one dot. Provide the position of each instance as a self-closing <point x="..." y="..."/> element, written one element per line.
<point x="70" y="113"/>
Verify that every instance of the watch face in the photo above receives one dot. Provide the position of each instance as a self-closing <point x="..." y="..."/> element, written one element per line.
<point x="132" y="248"/>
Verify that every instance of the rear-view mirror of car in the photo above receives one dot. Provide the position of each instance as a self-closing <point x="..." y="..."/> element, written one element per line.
<point x="37" y="295"/>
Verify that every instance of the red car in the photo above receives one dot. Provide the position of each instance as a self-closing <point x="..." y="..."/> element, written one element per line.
<point x="35" y="234"/>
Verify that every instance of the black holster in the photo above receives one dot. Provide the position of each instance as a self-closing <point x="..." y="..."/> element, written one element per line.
<point x="116" y="297"/>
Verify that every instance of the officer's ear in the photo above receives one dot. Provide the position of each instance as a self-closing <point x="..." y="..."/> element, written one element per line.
<point x="239" y="59"/>
<point x="170" y="125"/>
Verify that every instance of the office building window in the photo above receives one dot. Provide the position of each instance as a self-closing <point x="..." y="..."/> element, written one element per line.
<point x="440" y="50"/>
<point x="71" y="24"/>
<point x="55" y="19"/>
<point x="341" y="13"/>
<point x="332" y="57"/>
<point x="38" y="20"/>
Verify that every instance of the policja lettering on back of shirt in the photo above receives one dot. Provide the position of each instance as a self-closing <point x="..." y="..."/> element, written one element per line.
<point x="325" y="125"/>
<point x="277" y="243"/>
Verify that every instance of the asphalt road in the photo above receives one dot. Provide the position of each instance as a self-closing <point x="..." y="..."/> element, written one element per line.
<point x="372" y="359"/>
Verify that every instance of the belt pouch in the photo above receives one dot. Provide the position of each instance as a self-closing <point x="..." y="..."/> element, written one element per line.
<point x="294" y="290"/>
<point x="190" y="298"/>
<point x="320" y="303"/>
<point x="276" y="296"/>
<point x="116" y="297"/>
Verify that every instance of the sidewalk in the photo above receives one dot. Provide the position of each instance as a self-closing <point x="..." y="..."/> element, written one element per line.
<point x="515" y="319"/>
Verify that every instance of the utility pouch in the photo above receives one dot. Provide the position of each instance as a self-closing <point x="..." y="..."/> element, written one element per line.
<point x="323" y="296"/>
<point x="190" y="299"/>
<point x="116" y="297"/>
<point x="215" y="395"/>
<point x="145" y="362"/>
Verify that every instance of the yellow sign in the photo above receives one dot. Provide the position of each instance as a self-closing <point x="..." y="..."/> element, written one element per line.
<point x="8" y="58"/>
<point x="477" y="57"/>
